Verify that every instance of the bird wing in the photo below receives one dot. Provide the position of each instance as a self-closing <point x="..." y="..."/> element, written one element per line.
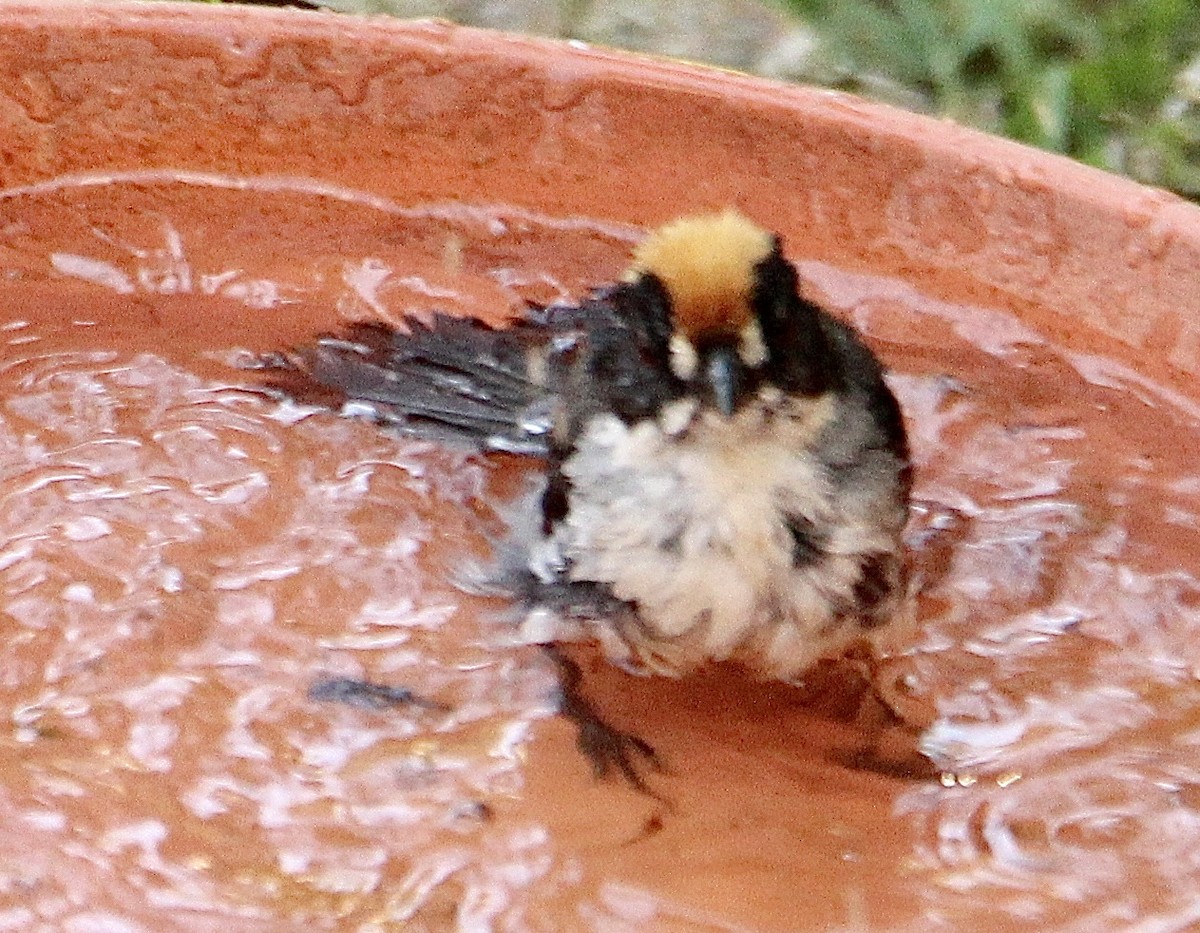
<point x="526" y="387"/>
<point x="455" y="380"/>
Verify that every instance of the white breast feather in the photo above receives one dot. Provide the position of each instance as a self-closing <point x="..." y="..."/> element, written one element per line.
<point x="691" y="529"/>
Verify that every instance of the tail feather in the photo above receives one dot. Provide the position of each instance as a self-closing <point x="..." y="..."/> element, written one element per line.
<point x="456" y="380"/>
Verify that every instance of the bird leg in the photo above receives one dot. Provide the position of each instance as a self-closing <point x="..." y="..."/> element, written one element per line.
<point x="605" y="746"/>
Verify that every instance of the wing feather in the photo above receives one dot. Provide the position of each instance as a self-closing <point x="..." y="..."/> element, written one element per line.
<point x="454" y="380"/>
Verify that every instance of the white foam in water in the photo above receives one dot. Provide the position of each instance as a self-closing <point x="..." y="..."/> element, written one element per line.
<point x="180" y="565"/>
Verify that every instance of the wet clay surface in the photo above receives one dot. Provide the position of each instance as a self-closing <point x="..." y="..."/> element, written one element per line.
<point x="182" y="561"/>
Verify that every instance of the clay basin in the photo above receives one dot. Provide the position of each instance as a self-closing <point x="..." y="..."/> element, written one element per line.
<point x="186" y="566"/>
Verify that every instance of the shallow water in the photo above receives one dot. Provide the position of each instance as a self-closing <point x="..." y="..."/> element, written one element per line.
<point x="182" y="561"/>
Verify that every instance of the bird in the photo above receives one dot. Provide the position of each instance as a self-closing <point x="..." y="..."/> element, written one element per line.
<point x="726" y="474"/>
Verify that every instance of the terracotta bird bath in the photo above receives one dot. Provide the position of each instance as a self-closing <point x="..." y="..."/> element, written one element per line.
<point x="188" y="569"/>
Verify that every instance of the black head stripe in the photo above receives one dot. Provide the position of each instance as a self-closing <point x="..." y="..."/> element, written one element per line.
<point x="798" y="358"/>
<point x="621" y="360"/>
<point x="646" y="305"/>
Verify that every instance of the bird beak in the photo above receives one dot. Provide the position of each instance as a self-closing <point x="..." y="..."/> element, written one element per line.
<point x="723" y="372"/>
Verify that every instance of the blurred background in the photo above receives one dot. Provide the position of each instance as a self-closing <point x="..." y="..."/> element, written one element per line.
<point x="1113" y="83"/>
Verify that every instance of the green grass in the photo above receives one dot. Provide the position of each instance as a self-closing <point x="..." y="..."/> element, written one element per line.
<point x="1104" y="82"/>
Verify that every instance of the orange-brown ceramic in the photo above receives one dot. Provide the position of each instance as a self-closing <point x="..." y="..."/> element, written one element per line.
<point x="182" y="561"/>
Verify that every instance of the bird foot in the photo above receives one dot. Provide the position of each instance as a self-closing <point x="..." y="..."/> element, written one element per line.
<point x="609" y="749"/>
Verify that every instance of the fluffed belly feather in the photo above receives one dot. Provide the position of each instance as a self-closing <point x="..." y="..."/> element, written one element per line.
<point x="692" y="533"/>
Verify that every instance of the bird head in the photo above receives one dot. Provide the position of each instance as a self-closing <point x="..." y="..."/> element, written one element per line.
<point x="736" y="319"/>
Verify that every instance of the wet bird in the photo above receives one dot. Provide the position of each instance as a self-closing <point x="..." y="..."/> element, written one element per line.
<point x="727" y="472"/>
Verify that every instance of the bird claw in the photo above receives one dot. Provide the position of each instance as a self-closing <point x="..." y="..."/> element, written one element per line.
<point x="608" y="748"/>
